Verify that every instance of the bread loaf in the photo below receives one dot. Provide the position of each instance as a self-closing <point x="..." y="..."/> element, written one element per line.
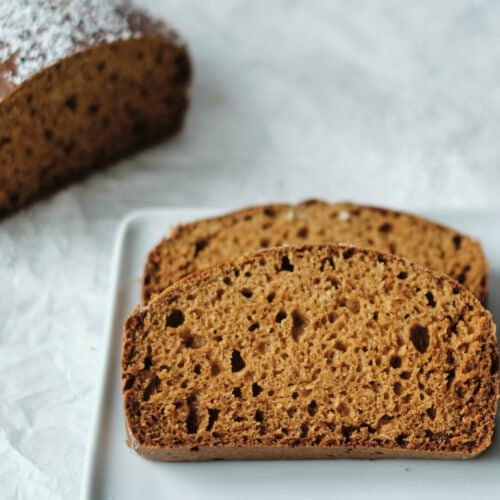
<point x="204" y="243"/>
<point x="81" y="83"/>
<point x="313" y="352"/>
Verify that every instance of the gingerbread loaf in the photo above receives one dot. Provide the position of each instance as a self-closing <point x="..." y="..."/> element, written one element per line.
<point x="82" y="82"/>
<point x="203" y="243"/>
<point x="312" y="352"/>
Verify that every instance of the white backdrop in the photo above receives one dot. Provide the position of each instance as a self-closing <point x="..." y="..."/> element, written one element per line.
<point x="384" y="101"/>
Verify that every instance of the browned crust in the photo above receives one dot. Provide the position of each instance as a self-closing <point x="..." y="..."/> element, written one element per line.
<point x="133" y="327"/>
<point x="151" y="268"/>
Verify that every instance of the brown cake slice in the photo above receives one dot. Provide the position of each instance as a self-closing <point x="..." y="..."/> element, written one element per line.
<point x="313" y="352"/>
<point x="203" y="243"/>
<point x="81" y="83"/>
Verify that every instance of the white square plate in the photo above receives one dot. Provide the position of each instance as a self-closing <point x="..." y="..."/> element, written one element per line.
<point x="114" y="472"/>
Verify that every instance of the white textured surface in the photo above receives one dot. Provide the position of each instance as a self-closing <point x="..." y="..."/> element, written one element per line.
<point x="388" y="102"/>
<point x="115" y="472"/>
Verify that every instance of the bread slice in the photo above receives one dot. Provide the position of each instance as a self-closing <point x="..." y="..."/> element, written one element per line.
<point x="312" y="352"/>
<point x="207" y="242"/>
<point x="82" y="82"/>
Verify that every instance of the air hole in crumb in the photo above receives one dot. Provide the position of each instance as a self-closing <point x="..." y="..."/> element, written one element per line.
<point x="71" y="102"/>
<point x="197" y="369"/>
<point x="398" y="388"/>
<point x="395" y="361"/>
<point x="213" y="415"/>
<point x="48" y="134"/>
<point x="347" y="430"/>
<point x="280" y="316"/>
<point x="295" y="395"/>
<point x="253" y="327"/>
<point x="193" y="341"/>
<point x="463" y="275"/>
<point x="271" y="297"/>
<point x="237" y="362"/>
<point x="303" y="232"/>
<point x="401" y="440"/>
<point x="419" y="335"/>
<point x="431" y="412"/>
<point x="247" y="293"/>
<point x="101" y="66"/>
<point x="347" y="254"/>
<point x="4" y="141"/>
<point x="291" y="411"/>
<point x="148" y="359"/>
<point x="264" y="242"/>
<point x="331" y="318"/>
<point x="494" y="363"/>
<point x="236" y="392"/>
<point x="384" y="420"/>
<point x="214" y="369"/>
<point x="385" y="228"/>
<point x="200" y="245"/>
<point x="269" y="212"/>
<point x="286" y="265"/>
<point x="175" y="318"/>
<point x="227" y="281"/>
<point x="195" y="448"/>
<point x="259" y="416"/>
<point x="312" y="408"/>
<point x="193" y="419"/>
<point x="298" y="324"/>
<point x="450" y="376"/>
<point x="457" y="241"/>
<point x="256" y="389"/>
<point x="327" y="261"/>
<point x="151" y="388"/>
<point x="405" y="375"/>
<point x="340" y="346"/>
<point x="93" y="109"/>
<point x="402" y="275"/>
<point x="342" y="409"/>
<point x="129" y="383"/>
<point x="430" y="299"/>
<point x="304" y="429"/>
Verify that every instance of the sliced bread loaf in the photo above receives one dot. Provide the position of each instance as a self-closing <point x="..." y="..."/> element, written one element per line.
<point x="207" y="242"/>
<point x="82" y="82"/>
<point x="313" y="352"/>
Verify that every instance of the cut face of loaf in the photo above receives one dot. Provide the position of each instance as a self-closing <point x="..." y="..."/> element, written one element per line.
<point x="82" y="82"/>
<point x="195" y="246"/>
<point x="312" y="352"/>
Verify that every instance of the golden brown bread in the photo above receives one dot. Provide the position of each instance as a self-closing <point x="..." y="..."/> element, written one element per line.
<point x="207" y="242"/>
<point x="312" y="352"/>
<point x="81" y="83"/>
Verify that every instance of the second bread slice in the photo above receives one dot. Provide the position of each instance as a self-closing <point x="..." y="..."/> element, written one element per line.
<point x="203" y="243"/>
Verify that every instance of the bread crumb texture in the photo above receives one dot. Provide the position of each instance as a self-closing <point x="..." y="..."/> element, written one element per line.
<point x="319" y="348"/>
<point x="204" y="243"/>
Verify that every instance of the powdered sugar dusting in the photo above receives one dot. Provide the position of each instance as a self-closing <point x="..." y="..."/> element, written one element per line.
<point x="35" y="34"/>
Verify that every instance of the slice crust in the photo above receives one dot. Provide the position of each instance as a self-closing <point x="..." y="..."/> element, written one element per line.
<point x="312" y="352"/>
<point x="205" y="243"/>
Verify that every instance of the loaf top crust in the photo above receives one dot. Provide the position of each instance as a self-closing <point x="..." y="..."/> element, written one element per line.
<point x="203" y="243"/>
<point x="321" y="346"/>
<point x="37" y="34"/>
